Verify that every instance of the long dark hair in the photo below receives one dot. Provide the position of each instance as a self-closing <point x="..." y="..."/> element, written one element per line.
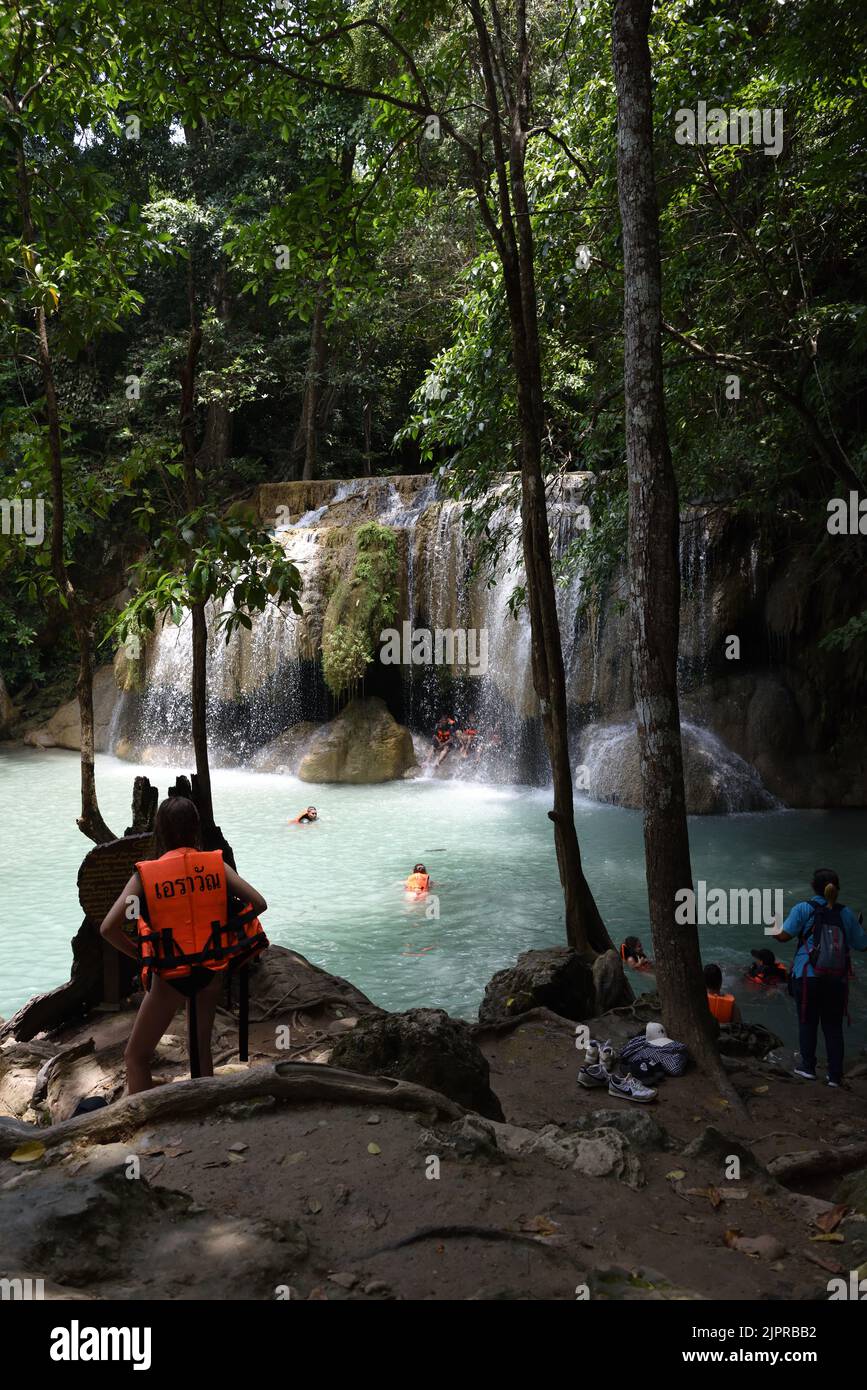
<point x="176" y="826"/>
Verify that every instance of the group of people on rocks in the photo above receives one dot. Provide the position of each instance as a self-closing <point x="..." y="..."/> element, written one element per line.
<point x="826" y="933"/>
<point x="463" y="738"/>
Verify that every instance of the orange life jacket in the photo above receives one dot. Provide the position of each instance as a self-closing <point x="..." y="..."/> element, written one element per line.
<point x="418" y="883"/>
<point x="188" y="919"/>
<point x="722" y="1006"/>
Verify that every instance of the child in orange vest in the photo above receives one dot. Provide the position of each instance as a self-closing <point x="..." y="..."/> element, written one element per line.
<point x="722" y="1006"/>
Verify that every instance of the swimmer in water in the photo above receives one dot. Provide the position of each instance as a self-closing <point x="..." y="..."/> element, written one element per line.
<point x="306" y="817"/>
<point x="418" y="883"/>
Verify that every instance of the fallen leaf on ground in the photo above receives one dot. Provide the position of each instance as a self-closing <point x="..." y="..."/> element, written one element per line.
<point x="676" y="1174"/>
<point x="760" y="1090"/>
<point x="176" y="1152"/>
<point x="830" y="1266"/>
<point x="237" y="1158"/>
<point x="374" y="1149"/>
<point x="540" y="1226"/>
<point x="238" y="1148"/>
<point x="830" y="1220"/>
<point x="30" y="1152"/>
<point x="832" y="1236"/>
<point x="314" y="1205"/>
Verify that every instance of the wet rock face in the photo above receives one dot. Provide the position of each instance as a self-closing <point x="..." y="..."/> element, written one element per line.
<point x="555" y="979"/>
<point x="717" y="780"/>
<point x="284" y="753"/>
<point x="424" y="1046"/>
<point x="362" y="744"/>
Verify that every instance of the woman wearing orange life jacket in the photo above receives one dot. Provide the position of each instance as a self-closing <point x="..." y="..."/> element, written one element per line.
<point x="188" y="936"/>
<point x="722" y="1006"/>
<point x="418" y="883"/>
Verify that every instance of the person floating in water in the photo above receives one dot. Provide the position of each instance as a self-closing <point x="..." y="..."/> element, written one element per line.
<point x="632" y="954"/>
<point x="188" y="903"/>
<point x="722" y="1006"/>
<point x="826" y="932"/>
<point x="766" y="970"/>
<point x="306" y="817"/>
<point x="418" y="884"/>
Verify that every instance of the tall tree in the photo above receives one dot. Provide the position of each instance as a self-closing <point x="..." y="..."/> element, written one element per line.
<point x="472" y="75"/>
<point x="65" y="264"/>
<point x="654" y="529"/>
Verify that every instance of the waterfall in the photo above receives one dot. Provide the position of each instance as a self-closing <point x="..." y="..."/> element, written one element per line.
<point x="266" y="681"/>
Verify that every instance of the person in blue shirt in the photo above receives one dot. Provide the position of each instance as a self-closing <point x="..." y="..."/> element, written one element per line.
<point x="820" y="998"/>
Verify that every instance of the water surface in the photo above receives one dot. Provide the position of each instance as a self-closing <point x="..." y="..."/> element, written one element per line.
<point x="333" y="888"/>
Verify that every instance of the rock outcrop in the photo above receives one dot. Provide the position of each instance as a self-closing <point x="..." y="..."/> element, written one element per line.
<point x="424" y="1046"/>
<point x="284" y="753"/>
<point x="555" y="978"/>
<point x="717" y="780"/>
<point x="362" y="744"/>
<point x="7" y="711"/>
<point x="63" y="729"/>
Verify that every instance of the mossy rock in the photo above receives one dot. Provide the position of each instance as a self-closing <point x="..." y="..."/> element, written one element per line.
<point x="364" y="600"/>
<point x="362" y="745"/>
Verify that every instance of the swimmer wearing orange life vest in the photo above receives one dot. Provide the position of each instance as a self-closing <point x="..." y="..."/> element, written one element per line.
<point x="766" y="971"/>
<point x="722" y="1006"/>
<point x="418" y="884"/>
<point x="305" y="818"/>
<point x="195" y="918"/>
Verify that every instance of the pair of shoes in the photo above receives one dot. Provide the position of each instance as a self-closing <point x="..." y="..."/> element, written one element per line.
<point x="630" y="1088"/>
<point x="598" y="1064"/>
<point x="807" y="1075"/>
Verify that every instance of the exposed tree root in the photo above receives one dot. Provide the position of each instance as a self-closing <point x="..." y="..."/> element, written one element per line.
<point x="817" y="1163"/>
<point x="434" y="1232"/>
<point x="538" y="1015"/>
<point x="287" y="1081"/>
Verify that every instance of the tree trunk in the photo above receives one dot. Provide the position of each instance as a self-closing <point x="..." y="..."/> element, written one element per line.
<point x="90" y="822"/>
<point x="199" y="677"/>
<point x="585" y="930"/>
<point x="313" y="389"/>
<point x="654" y="525"/>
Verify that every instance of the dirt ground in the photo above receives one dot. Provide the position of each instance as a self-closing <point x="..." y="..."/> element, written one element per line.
<point x="339" y="1201"/>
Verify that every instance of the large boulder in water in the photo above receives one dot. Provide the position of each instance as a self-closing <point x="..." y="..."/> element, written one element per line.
<point x="717" y="781"/>
<point x="284" y="753"/>
<point x="556" y="978"/>
<point x="362" y="744"/>
<point x="424" y="1046"/>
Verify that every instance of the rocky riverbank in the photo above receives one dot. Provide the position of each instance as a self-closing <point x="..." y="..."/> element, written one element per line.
<point x="367" y="1155"/>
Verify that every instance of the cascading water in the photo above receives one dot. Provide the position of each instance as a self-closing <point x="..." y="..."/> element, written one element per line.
<point x="266" y="681"/>
<point x="717" y="780"/>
